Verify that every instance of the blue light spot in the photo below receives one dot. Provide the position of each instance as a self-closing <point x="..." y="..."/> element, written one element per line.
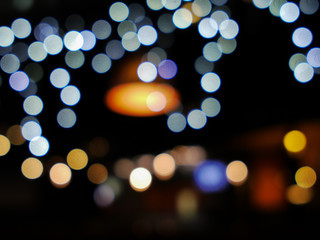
<point x="167" y="69"/>
<point x="210" y="176"/>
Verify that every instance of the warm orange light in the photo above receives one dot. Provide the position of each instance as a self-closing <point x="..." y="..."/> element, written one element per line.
<point x="164" y="166"/>
<point x="268" y="186"/>
<point x="133" y="99"/>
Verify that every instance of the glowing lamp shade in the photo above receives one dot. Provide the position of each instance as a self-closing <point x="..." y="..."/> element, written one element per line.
<point x="142" y="99"/>
<point x="210" y="176"/>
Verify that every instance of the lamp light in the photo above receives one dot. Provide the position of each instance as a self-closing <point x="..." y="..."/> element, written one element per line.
<point x="132" y="97"/>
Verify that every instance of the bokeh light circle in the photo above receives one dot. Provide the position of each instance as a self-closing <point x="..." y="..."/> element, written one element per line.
<point x="21" y="28"/>
<point x="53" y="44"/>
<point x="197" y="119"/>
<point x="73" y="40"/>
<point x="5" y="145"/>
<point x="33" y="105"/>
<point x="155" y="5"/>
<point x="30" y="130"/>
<point x="37" y="51"/>
<point x="147" y="35"/>
<point x="305" y="177"/>
<point x="164" y="166"/>
<point x="60" y="174"/>
<point x="309" y="7"/>
<point x="289" y="12"/>
<point x="210" y="82"/>
<point x="211" y="107"/>
<point x="101" y="29"/>
<point x="74" y="59"/>
<point x="97" y="173"/>
<point x="115" y="50"/>
<point x="19" y="81"/>
<point x="156" y="101"/>
<point x="219" y="16"/>
<point x="201" y="8"/>
<point x="39" y="146"/>
<point x="118" y="11"/>
<point x="229" y="29"/>
<point x="298" y="195"/>
<point x="140" y="179"/>
<point x="302" y="37"/>
<point x="210" y="176"/>
<point x="66" y="118"/>
<point x="167" y="69"/>
<point x="227" y="45"/>
<point x="14" y="134"/>
<point x="262" y="4"/>
<point x="104" y="195"/>
<point x="32" y="168"/>
<point x="171" y="4"/>
<point x="303" y="72"/>
<point x="237" y="172"/>
<point x="165" y="23"/>
<point x="6" y="36"/>
<point x="147" y="72"/>
<point x="89" y="40"/>
<point x="70" y="95"/>
<point x="295" y="141"/>
<point x="10" y="63"/>
<point x="182" y="18"/>
<point x="212" y="52"/>
<point x="130" y="41"/>
<point x="59" y="78"/>
<point x="101" y="63"/>
<point x="313" y="57"/>
<point x="176" y="122"/>
<point x="77" y="159"/>
<point x="208" y="28"/>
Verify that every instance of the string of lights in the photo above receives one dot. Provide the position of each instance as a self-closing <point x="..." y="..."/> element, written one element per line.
<point x="49" y="42"/>
<point x="145" y="87"/>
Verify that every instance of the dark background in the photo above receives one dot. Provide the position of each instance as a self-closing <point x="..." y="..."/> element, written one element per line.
<point x="258" y="91"/>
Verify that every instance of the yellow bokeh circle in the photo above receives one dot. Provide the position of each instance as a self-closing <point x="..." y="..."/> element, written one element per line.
<point x="77" y="159"/>
<point x="32" y="168"/>
<point x="305" y="177"/>
<point x="295" y="141"/>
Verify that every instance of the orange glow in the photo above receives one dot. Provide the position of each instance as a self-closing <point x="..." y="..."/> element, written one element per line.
<point x="268" y="187"/>
<point x="298" y="195"/>
<point x="132" y="99"/>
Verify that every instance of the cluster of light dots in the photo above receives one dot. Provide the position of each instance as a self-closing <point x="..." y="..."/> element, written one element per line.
<point x="135" y="30"/>
<point x="212" y="23"/>
<point x="209" y="175"/>
<point x="303" y="64"/>
<point x="295" y="142"/>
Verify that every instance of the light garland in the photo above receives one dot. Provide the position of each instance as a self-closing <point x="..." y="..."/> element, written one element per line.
<point x="303" y="66"/>
<point x="134" y="32"/>
<point x="48" y="42"/>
